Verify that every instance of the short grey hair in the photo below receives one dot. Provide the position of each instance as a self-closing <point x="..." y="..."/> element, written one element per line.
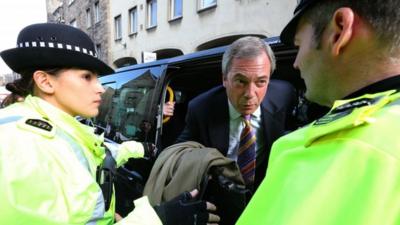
<point x="246" y="47"/>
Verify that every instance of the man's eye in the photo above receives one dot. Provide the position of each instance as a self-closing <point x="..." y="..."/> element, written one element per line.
<point x="239" y="81"/>
<point x="262" y="81"/>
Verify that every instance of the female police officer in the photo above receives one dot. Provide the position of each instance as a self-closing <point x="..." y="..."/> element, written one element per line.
<point x="48" y="159"/>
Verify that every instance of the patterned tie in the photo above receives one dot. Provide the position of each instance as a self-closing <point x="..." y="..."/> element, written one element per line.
<point x="247" y="151"/>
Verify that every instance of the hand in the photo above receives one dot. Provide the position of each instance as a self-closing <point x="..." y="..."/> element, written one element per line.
<point x="117" y="217"/>
<point x="184" y="210"/>
<point x="168" y="109"/>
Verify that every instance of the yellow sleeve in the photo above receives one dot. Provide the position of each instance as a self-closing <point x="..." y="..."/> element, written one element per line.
<point x="126" y="150"/>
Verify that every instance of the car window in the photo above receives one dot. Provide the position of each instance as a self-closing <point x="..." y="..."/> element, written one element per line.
<point x="126" y="106"/>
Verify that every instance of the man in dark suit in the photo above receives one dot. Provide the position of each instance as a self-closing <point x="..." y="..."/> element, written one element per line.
<point x="216" y="117"/>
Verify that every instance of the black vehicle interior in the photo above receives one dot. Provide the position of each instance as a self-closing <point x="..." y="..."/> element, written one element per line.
<point x="187" y="82"/>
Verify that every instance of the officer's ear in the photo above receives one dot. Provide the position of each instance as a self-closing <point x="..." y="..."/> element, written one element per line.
<point x="342" y="28"/>
<point x="43" y="81"/>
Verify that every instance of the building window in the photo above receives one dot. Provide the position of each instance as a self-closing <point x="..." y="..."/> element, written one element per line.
<point x="151" y="13"/>
<point x="133" y="20"/>
<point x="204" y="4"/>
<point x="176" y="9"/>
<point x="117" y="27"/>
<point x="73" y="23"/>
<point x="88" y="18"/>
<point x="99" y="51"/>
<point x="96" y="12"/>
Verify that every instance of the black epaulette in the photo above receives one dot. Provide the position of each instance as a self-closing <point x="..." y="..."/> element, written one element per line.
<point x="355" y="104"/>
<point x="41" y="124"/>
<point x="37" y="125"/>
<point x="346" y="109"/>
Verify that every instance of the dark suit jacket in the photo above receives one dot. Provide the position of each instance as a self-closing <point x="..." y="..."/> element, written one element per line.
<point x="207" y="120"/>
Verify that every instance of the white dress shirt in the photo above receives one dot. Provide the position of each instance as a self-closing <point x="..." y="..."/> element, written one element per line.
<point x="236" y="125"/>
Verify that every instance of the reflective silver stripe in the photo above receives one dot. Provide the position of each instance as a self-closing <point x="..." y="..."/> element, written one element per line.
<point x="9" y="119"/>
<point x="98" y="212"/>
<point x="99" y="209"/>
<point x="77" y="149"/>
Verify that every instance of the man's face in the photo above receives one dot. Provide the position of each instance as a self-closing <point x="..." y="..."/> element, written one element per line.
<point x="247" y="81"/>
<point x="312" y="63"/>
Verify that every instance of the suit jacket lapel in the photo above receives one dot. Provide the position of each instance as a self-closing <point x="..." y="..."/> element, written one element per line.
<point x="267" y="122"/>
<point x="219" y="124"/>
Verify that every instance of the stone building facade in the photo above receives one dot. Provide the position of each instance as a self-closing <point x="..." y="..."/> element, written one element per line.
<point x="92" y="16"/>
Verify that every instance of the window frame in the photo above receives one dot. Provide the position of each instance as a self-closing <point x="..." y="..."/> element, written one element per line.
<point x="133" y="25"/>
<point x="97" y="12"/>
<point x="99" y="50"/>
<point x="88" y="18"/>
<point x="150" y="5"/>
<point x="118" y="27"/>
<point x="172" y="10"/>
<point x="202" y="7"/>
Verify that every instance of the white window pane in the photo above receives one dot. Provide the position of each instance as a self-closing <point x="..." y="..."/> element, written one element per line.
<point x="96" y="12"/>
<point x="118" y="28"/>
<point x="152" y="12"/>
<point x="207" y="3"/>
<point x="177" y="8"/>
<point x="133" y="20"/>
<point x="88" y="18"/>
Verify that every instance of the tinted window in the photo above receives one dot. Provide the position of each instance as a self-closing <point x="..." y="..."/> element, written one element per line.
<point x="127" y="111"/>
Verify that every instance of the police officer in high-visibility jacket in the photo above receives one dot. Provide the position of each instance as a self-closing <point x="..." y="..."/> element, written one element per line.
<point x="343" y="168"/>
<point x="48" y="160"/>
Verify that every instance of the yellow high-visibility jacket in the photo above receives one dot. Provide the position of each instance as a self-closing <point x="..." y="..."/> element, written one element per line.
<point x="48" y="164"/>
<point x="342" y="169"/>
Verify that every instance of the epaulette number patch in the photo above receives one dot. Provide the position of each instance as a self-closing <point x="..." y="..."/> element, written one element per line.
<point x="331" y="117"/>
<point x="345" y="109"/>
<point x="355" y="104"/>
<point x="39" y="124"/>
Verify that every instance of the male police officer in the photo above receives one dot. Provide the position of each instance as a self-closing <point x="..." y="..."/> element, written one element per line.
<point x="344" y="167"/>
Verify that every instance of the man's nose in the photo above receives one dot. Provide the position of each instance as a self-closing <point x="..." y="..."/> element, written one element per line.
<point x="250" y="90"/>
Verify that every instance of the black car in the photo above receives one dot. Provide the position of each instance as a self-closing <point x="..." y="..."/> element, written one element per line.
<point x="134" y="97"/>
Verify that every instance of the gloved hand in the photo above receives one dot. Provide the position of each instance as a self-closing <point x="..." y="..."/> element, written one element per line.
<point x="150" y="150"/>
<point x="184" y="210"/>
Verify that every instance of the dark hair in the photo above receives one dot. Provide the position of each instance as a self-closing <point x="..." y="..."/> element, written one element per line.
<point x="246" y="47"/>
<point x="23" y="87"/>
<point x="10" y="99"/>
<point x="383" y="16"/>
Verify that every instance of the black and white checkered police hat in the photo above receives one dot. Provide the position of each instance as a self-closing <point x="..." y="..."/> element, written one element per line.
<point x="51" y="45"/>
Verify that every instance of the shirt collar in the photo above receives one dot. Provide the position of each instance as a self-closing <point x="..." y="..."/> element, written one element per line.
<point x="234" y="114"/>
<point x="380" y="86"/>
